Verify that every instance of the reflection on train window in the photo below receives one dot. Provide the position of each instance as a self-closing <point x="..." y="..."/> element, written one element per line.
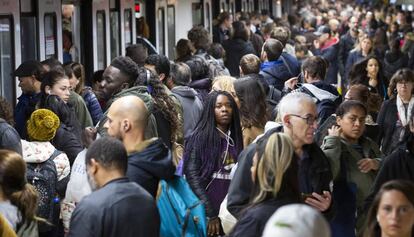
<point x="128" y="27"/>
<point x="208" y="25"/>
<point x="28" y="36"/>
<point x="231" y="7"/>
<point x="115" y="42"/>
<point x="101" y="39"/>
<point x="197" y="13"/>
<point x="50" y="35"/>
<point x="6" y="58"/>
<point x="171" y="30"/>
<point x="161" y="31"/>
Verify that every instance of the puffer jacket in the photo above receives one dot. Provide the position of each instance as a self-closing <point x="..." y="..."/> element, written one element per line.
<point x="9" y="138"/>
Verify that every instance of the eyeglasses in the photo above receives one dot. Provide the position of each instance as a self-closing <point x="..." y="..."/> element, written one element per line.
<point x="310" y="120"/>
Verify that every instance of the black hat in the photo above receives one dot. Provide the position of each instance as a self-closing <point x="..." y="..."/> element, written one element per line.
<point x="322" y="30"/>
<point x="28" y="68"/>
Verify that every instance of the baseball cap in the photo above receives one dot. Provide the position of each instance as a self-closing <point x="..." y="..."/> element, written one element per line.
<point x="297" y="220"/>
<point x="28" y="68"/>
<point x="322" y="30"/>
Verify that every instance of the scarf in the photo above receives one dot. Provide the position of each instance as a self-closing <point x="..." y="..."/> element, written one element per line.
<point x="404" y="117"/>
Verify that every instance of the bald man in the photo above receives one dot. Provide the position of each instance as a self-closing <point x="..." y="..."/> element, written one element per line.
<point x="148" y="160"/>
<point x="299" y="120"/>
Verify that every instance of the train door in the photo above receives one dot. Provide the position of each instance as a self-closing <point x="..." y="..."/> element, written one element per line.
<point x="100" y="34"/>
<point x="161" y="35"/>
<point x="50" y="27"/>
<point x="224" y="6"/>
<point x="115" y="32"/>
<point x="127" y="9"/>
<point x="232" y="7"/>
<point x="9" y="48"/>
<point x="28" y="31"/>
<point x="208" y="23"/>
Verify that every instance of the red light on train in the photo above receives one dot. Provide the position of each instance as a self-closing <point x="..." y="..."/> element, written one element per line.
<point x="137" y="7"/>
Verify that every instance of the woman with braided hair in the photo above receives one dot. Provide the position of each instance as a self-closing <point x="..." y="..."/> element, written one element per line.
<point x="165" y="111"/>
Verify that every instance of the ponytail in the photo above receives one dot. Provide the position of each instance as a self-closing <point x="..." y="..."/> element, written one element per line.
<point x="26" y="201"/>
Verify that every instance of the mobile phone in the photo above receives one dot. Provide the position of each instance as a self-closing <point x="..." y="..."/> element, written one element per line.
<point x="306" y="195"/>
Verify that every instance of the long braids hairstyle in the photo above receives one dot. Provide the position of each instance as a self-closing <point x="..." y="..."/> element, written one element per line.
<point x="162" y="101"/>
<point x="206" y="141"/>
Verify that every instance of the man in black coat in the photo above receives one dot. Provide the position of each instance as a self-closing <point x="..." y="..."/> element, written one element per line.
<point x="298" y="114"/>
<point x="117" y="207"/>
<point x="148" y="160"/>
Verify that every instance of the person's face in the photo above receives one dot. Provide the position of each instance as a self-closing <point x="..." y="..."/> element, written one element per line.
<point x="113" y="124"/>
<point x="404" y="89"/>
<point x="323" y="38"/>
<point x="223" y="111"/>
<point x="352" y="124"/>
<point x="27" y="84"/>
<point x="395" y="214"/>
<point x="372" y="67"/>
<point x="304" y="127"/>
<point x="73" y="82"/>
<point x="61" y="88"/>
<point x="353" y="23"/>
<point x="228" y="22"/>
<point x="366" y="45"/>
<point x="112" y="82"/>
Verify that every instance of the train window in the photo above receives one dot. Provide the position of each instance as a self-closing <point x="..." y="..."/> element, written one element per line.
<point x="128" y="26"/>
<point x="161" y="31"/>
<point x="197" y="12"/>
<point x="28" y="37"/>
<point x="6" y="58"/>
<point x="231" y="8"/>
<point x="114" y="32"/>
<point x="171" y="31"/>
<point x="101" y="39"/>
<point x="50" y="35"/>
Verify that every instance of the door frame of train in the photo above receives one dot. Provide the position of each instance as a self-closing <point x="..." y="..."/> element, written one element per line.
<point x="123" y="6"/>
<point x="44" y="8"/>
<point x="12" y="8"/>
<point x="208" y="19"/>
<point x="97" y="6"/>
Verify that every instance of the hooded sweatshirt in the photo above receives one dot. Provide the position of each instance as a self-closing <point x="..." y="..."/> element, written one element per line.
<point x="192" y="107"/>
<point x="151" y="162"/>
<point x="39" y="152"/>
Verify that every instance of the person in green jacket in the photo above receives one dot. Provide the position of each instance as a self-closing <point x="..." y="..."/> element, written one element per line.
<point x="355" y="160"/>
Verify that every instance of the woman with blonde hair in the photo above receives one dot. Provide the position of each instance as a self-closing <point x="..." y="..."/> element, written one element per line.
<point x="19" y="199"/>
<point x="275" y="177"/>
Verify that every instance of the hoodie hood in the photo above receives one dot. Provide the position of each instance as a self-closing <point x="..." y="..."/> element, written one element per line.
<point x="202" y="84"/>
<point x="139" y="91"/>
<point x="322" y="91"/>
<point x="154" y="157"/>
<point x="184" y="91"/>
<point x="37" y="152"/>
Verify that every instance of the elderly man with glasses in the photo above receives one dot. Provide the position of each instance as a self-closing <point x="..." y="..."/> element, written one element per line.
<point x="298" y="115"/>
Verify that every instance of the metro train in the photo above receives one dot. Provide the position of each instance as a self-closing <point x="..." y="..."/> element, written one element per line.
<point x="101" y="29"/>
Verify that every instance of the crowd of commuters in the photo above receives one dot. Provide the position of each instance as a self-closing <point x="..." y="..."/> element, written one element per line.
<point x="294" y="126"/>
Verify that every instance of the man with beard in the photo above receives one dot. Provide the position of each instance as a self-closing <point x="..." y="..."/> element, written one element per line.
<point x="107" y="210"/>
<point x="148" y="160"/>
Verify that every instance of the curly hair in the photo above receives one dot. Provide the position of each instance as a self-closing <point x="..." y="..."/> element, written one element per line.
<point x="127" y="67"/>
<point x="6" y="111"/>
<point x="162" y="101"/>
<point x="199" y="37"/>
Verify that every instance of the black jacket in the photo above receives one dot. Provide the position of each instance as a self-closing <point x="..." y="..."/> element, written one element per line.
<point x="253" y="221"/>
<point x="235" y="50"/>
<point x="119" y="208"/>
<point x="9" y="138"/>
<point x="66" y="140"/>
<point x="346" y="44"/>
<point x="386" y="120"/>
<point x="149" y="164"/>
<point x="320" y="176"/>
<point x="398" y="165"/>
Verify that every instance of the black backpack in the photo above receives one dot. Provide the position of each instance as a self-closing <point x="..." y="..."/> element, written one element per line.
<point x="214" y="67"/>
<point x="43" y="176"/>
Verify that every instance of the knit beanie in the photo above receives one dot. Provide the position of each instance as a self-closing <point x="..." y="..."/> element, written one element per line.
<point x="42" y="125"/>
